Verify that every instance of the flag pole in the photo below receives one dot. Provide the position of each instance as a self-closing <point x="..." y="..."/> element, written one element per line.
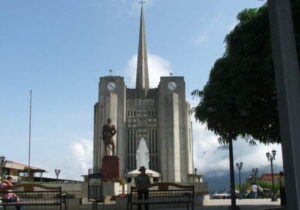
<point x="29" y="140"/>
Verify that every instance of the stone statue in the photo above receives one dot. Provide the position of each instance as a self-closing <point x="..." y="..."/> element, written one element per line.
<point x="109" y="131"/>
<point x="142" y="155"/>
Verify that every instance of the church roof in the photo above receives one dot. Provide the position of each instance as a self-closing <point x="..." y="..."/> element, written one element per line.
<point x="142" y="76"/>
<point x="21" y="167"/>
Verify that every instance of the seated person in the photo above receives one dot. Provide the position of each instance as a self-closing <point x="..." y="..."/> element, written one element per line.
<point x="9" y="196"/>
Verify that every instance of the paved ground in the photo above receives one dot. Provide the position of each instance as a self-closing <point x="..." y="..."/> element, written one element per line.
<point x="244" y="204"/>
<point x="208" y="204"/>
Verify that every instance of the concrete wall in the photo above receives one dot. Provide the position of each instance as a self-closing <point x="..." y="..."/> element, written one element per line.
<point x="70" y="188"/>
<point x="174" y="136"/>
<point x="201" y="188"/>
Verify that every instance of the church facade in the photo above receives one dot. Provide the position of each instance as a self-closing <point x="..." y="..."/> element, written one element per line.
<point x="159" y="115"/>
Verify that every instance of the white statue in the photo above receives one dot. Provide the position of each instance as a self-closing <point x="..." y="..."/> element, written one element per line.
<point x="142" y="155"/>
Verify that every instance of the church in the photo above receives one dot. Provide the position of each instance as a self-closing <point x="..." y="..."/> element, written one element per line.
<point x="159" y="115"/>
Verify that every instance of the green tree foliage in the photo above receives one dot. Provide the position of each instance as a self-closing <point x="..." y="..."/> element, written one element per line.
<point x="239" y="98"/>
<point x="267" y="186"/>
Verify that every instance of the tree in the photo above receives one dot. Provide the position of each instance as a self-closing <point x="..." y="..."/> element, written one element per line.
<point x="239" y="98"/>
<point x="219" y="116"/>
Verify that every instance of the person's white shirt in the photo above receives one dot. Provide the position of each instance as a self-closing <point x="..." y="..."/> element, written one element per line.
<point x="254" y="188"/>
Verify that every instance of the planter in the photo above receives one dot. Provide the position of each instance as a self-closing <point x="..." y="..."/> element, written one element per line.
<point x="121" y="202"/>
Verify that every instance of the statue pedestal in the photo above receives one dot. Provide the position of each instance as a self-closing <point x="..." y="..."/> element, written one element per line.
<point x="110" y="167"/>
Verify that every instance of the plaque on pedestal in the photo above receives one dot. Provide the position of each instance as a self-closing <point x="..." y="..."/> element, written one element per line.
<point x="110" y="167"/>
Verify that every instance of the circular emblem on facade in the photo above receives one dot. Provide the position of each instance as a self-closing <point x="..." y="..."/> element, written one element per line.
<point x="172" y="85"/>
<point x="111" y="86"/>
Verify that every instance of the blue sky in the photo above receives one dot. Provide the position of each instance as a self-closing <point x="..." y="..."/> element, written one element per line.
<point x="59" y="49"/>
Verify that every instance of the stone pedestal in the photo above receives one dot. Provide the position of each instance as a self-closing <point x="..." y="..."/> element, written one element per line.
<point x="112" y="188"/>
<point x="110" y="167"/>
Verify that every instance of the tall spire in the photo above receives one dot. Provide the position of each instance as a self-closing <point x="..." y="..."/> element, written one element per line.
<point x="142" y="77"/>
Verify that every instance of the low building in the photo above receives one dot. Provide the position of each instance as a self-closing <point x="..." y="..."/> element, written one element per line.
<point x="20" y="170"/>
<point x="267" y="177"/>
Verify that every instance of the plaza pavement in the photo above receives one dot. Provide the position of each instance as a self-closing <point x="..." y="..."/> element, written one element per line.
<point x="208" y="204"/>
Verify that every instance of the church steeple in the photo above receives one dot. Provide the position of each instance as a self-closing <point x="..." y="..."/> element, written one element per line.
<point x="142" y="77"/>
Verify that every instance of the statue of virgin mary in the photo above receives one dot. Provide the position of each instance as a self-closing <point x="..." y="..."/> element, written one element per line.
<point x="142" y="154"/>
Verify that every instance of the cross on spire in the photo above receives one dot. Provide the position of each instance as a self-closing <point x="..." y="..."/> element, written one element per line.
<point x="110" y="71"/>
<point x="142" y="2"/>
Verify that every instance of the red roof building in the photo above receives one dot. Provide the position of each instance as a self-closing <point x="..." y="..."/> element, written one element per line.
<point x="267" y="177"/>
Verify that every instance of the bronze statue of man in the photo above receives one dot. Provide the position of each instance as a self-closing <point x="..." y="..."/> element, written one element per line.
<point x="109" y="131"/>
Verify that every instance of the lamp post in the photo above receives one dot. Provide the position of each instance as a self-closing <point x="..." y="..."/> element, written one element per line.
<point x="2" y="162"/>
<point x="254" y="174"/>
<point x="57" y="172"/>
<point x="271" y="157"/>
<point x="239" y="167"/>
<point x="195" y="175"/>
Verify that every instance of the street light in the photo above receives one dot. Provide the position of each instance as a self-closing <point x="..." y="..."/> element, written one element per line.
<point x="254" y="174"/>
<point x="271" y="157"/>
<point x="57" y="172"/>
<point x="2" y="163"/>
<point x="195" y="177"/>
<point x="239" y="167"/>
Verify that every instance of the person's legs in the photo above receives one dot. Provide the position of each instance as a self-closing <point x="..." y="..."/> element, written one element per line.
<point x="146" y="196"/>
<point x="14" y="199"/>
<point x="18" y="207"/>
<point x="283" y="196"/>
<point x="255" y="195"/>
<point x="140" y="197"/>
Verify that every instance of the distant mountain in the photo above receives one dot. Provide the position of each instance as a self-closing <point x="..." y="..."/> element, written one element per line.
<point x="217" y="183"/>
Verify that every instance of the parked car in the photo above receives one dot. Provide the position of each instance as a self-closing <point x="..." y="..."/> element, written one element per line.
<point x="220" y="195"/>
<point x="224" y="195"/>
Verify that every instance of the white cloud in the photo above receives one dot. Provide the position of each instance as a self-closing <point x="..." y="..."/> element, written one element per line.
<point x="206" y="32"/>
<point x="157" y="67"/>
<point x="202" y="38"/>
<point x="82" y="153"/>
<point x="231" y="27"/>
<point x="208" y="157"/>
<point x="215" y="26"/>
<point x="255" y="156"/>
<point x="75" y="162"/>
